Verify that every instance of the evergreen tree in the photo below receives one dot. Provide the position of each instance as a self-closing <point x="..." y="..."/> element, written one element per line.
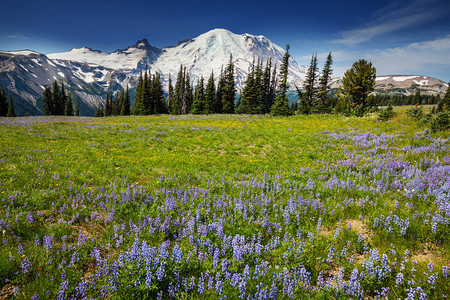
<point x="68" y="110"/>
<point x="147" y="100"/>
<point x="281" y="105"/>
<point x="258" y="86"/>
<point x="3" y="104"/>
<point x="417" y="97"/>
<point x="322" y="95"/>
<point x="158" y="95"/>
<point x="188" y="96"/>
<point x="170" y="96"/>
<point x="268" y="86"/>
<point x="217" y="105"/>
<point x="55" y="99"/>
<point x="48" y="101"/>
<point x="444" y="103"/>
<point x="210" y="93"/>
<point x="77" y="110"/>
<point x="138" y="107"/>
<point x="179" y="102"/>
<point x="108" y="105"/>
<point x="11" y="112"/>
<point x="357" y="84"/>
<point x="125" y="109"/>
<point x="310" y="87"/>
<point x="99" y="112"/>
<point x="229" y="90"/>
<point x="61" y="102"/>
<point x="199" y="98"/>
<point x="250" y="101"/>
<point x="118" y="103"/>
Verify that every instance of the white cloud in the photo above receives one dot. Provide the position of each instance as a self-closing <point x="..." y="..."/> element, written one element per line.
<point x="393" y="18"/>
<point x="419" y="58"/>
<point x="16" y="36"/>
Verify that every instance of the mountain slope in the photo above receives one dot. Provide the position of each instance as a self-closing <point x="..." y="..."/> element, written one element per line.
<point x="404" y="84"/>
<point x="25" y="74"/>
<point x="210" y="51"/>
<point x="132" y="58"/>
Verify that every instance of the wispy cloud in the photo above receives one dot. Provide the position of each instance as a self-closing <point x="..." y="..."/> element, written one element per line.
<point x="420" y="58"/>
<point x="15" y="36"/>
<point x="393" y="18"/>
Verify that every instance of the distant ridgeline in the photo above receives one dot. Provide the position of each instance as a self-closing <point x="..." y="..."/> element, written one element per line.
<point x="90" y="75"/>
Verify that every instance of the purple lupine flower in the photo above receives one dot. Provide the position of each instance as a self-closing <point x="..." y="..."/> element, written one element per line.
<point x="48" y="240"/>
<point x="25" y="265"/>
<point x="30" y="218"/>
<point x="160" y="271"/>
<point x="81" y="289"/>
<point x="20" y="248"/>
<point x="445" y="271"/>
<point x="177" y="254"/>
<point x="216" y="258"/>
<point x="62" y="290"/>
<point x="399" y="279"/>
<point x="201" y="285"/>
<point x="219" y="284"/>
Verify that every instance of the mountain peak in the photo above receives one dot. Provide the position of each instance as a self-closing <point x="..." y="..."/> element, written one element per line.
<point x="141" y="44"/>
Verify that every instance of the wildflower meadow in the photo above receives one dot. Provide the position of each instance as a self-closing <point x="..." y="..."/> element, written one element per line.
<point x="223" y="207"/>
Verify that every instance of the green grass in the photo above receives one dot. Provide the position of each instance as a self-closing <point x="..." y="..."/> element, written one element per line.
<point x="72" y="174"/>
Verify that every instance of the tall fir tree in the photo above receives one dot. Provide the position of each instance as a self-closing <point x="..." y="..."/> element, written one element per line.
<point x="268" y="86"/>
<point x="68" y="110"/>
<point x="281" y="105"/>
<point x="309" y="95"/>
<point x="11" y="112"/>
<point x="444" y="103"/>
<point x="138" y="107"/>
<point x="229" y="92"/>
<point x="199" y="98"/>
<point x="108" y="105"/>
<point x="61" y="103"/>
<point x="170" y="96"/>
<point x="210" y="94"/>
<point x="3" y="104"/>
<point x="217" y="106"/>
<point x="357" y="83"/>
<point x="179" y="101"/>
<point x="48" y="101"/>
<point x="125" y="109"/>
<point x="77" y="110"/>
<point x="55" y="99"/>
<point x="99" y="112"/>
<point x="146" y="94"/>
<point x="324" y="105"/>
<point x="250" y="100"/>
<point x="188" y="96"/>
<point x="160" y="105"/>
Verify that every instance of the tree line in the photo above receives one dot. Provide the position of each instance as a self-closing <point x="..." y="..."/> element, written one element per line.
<point x="6" y="107"/>
<point x="58" y="102"/>
<point x="115" y="106"/>
<point x="264" y="92"/>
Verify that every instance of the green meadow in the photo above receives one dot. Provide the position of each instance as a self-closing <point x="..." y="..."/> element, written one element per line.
<point x="223" y="206"/>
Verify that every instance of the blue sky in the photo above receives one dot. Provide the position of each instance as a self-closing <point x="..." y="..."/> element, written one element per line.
<point x="399" y="37"/>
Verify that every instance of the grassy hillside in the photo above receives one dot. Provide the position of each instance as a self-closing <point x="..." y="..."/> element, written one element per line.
<point x="223" y="205"/>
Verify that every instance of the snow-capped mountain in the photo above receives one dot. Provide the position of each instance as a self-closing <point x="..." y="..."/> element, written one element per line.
<point x="130" y="59"/>
<point x="26" y="73"/>
<point x="210" y="51"/>
<point x="404" y="84"/>
<point x="201" y="55"/>
<point x="88" y="74"/>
